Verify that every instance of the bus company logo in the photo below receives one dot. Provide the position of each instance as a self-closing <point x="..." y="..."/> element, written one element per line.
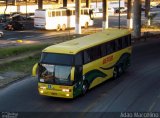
<point x="107" y="59"/>
<point x="9" y="115"/>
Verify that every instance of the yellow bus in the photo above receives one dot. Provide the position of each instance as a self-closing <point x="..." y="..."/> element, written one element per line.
<point x="71" y="68"/>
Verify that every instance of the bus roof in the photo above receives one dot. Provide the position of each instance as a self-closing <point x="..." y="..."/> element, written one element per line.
<point x="76" y="45"/>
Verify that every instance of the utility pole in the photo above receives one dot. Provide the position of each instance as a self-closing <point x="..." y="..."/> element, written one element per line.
<point x="26" y="9"/>
<point x="40" y="4"/>
<point x="58" y="1"/>
<point x="88" y="2"/>
<point x="5" y="10"/>
<point x="64" y="3"/>
<point x="129" y="14"/>
<point x="119" y="16"/>
<point x="105" y="14"/>
<point x="78" y="14"/>
<point x="14" y="2"/>
<point x="137" y="18"/>
<point x="147" y="12"/>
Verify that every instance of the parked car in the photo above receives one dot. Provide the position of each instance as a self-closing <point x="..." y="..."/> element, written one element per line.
<point x="1" y="34"/>
<point x="13" y="25"/>
<point x="158" y="6"/>
<point x="18" y="17"/>
<point x="5" y="17"/>
<point x="121" y="10"/>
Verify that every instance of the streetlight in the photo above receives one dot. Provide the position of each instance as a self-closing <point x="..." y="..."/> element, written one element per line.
<point x="119" y="22"/>
<point x="26" y="9"/>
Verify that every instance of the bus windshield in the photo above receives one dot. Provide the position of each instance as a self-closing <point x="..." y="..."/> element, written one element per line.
<point x="54" y="74"/>
<point x="57" y="59"/>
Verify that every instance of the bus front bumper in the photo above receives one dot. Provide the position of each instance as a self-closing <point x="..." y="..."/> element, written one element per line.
<point x="55" y="90"/>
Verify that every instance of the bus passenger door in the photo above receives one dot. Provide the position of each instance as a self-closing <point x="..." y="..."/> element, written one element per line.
<point x="78" y="78"/>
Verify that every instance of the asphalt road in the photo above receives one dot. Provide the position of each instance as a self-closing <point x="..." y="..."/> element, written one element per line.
<point x="137" y="90"/>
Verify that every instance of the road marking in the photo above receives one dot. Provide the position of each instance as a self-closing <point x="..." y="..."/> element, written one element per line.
<point x="11" y="38"/>
<point x="151" y="107"/>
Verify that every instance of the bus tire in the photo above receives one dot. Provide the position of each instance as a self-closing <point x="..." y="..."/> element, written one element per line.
<point x="86" y="25"/>
<point x="63" y="27"/>
<point x="58" y="27"/>
<point x="120" y="69"/>
<point x="85" y="87"/>
<point x="115" y="73"/>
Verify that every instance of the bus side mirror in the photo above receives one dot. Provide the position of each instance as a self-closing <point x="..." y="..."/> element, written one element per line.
<point x="35" y="70"/>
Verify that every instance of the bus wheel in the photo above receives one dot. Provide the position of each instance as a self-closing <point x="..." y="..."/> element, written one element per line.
<point x="63" y="27"/>
<point x="58" y="27"/>
<point x="120" y="69"/>
<point x="115" y="73"/>
<point x="86" y="25"/>
<point x="85" y="87"/>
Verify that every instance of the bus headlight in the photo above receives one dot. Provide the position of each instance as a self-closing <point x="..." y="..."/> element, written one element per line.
<point x="41" y="91"/>
<point x="66" y="90"/>
<point x="67" y="95"/>
<point x="42" y="87"/>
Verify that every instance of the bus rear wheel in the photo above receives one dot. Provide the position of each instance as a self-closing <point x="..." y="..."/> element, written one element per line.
<point x="63" y="27"/>
<point x="118" y="70"/>
<point x="86" y="25"/>
<point x="58" y="27"/>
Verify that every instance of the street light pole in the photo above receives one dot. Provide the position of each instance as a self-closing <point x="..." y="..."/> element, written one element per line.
<point x="119" y="18"/>
<point x="26" y="9"/>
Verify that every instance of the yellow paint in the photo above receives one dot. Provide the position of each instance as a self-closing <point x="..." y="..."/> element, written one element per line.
<point x="79" y="44"/>
<point x="99" y="63"/>
<point x="34" y="70"/>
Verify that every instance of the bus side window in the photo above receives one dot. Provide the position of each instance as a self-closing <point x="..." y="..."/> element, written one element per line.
<point x="124" y="42"/>
<point x="64" y="13"/>
<point x="49" y="14"/>
<point x="68" y="12"/>
<point x="103" y="50"/>
<point x="110" y="47"/>
<point x="118" y="44"/>
<point x="57" y="13"/>
<point x="82" y="12"/>
<point x="53" y="13"/>
<point x="73" y="12"/>
<point x="78" y="59"/>
<point x="129" y="39"/>
<point x="86" y="57"/>
<point x="95" y="53"/>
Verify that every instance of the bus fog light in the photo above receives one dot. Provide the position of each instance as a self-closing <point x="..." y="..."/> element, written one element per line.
<point x="67" y="95"/>
<point x="41" y="91"/>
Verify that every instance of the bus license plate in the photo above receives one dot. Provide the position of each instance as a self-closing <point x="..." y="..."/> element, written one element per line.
<point x="49" y="86"/>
